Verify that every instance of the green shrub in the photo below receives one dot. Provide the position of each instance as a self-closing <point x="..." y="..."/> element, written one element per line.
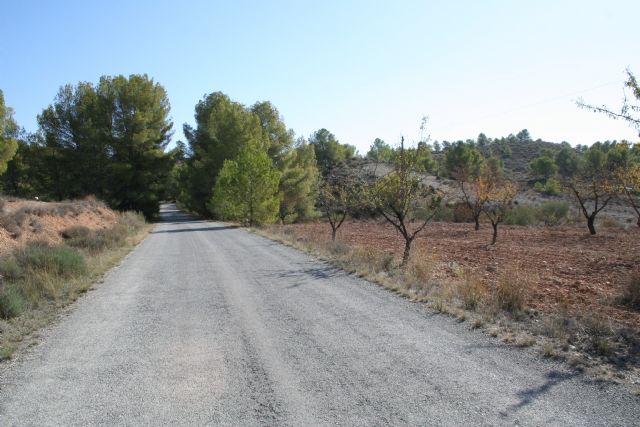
<point x="631" y="296"/>
<point x="553" y="213"/>
<point x="75" y="232"/>
<point x="551" y="187"/>
<point x="10" y="269"/>
<point x="11" y="302"/>
<point x="93" y="243"/>
<point x="444" y="214"/>
<point x="521" y="215"/>
<point x="104" y="238"/>
<point x="61" y="260"/>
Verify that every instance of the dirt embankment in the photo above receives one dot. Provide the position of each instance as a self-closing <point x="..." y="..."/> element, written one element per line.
<point x="22" y="221"/>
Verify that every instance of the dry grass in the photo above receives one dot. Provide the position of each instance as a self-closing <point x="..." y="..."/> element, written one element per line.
<point x="499" y="306"/>
<point x="40" y="279"/>
<point x="631" y="295"/>
<point x="510" y="293"/>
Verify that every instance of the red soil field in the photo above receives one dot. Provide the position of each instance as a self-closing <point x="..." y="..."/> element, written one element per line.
<point x="566" y="266"/>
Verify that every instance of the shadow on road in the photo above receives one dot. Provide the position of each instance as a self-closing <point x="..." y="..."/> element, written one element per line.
<point x="528" y="396"/>
<point x="187" y="230"/>
<point x="171" y="215"/>
<point x="304" y="274"/>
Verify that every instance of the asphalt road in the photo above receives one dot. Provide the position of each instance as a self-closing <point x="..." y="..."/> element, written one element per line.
<point x="209" y="325"/>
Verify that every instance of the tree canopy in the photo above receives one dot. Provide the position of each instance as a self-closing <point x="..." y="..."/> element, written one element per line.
<point x="8" y="133"/>
<point x="108" y="140"/>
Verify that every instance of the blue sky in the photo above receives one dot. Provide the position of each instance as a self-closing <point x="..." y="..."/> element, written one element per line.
<point x="362" y="69"/>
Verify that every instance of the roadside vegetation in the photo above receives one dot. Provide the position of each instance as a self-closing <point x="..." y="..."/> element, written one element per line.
<point x="40" y="277"/>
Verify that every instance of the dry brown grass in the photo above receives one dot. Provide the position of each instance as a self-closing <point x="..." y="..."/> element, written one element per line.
<point x="40" y="279"/>
<point x="497" y="302"/>
<point x="511" y="291"/>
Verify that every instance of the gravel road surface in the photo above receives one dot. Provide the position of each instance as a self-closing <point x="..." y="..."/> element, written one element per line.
<point x="204" y="324"/>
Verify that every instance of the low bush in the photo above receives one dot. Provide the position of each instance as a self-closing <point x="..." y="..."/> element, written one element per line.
<point x="419" y="270"/>
<point x="10" y="269"/>
<point x="58" y="260"/>
<point x="553" y="213"/>
<point x="338" y="248"/>
<point x="75" y="232"/>
<point x="609" y="221"/>
<point x="462" y="213"/>
<point x="12" y="302"/>
<point x="471" y="292"/>
<point x="551" y="187"/>
<point x="444" y="214"/>
<point x="131" y="221"/>
<point x="631" y="295"/>
<point x="510" y="293"/>
<point x="522" y="215"/>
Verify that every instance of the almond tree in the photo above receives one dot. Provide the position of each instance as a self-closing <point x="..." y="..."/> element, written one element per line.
<point x="403" y="200"/>
<point x="464" y="163"/>
<point x="497" y="196"/>
<point x="629" y="112"/>
<point x="593" y="184"/>
<point x="338" y="196"/>
<point x="629" y="179"/>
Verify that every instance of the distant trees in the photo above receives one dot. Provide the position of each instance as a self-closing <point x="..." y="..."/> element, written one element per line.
<point x="544" y="169"/>
<point x="523" y="135"/>
<point x="228" y="140"/>
<point x="329" y="151"/>
<point x="544" y="166"/>
<point x="380" y="151"/>
<point x="498" y="196"/>
<point x="8" y="134"/>
<point x="223" y="128"/>
<point x="247" y="188"/>
<point x="108" y="140"/>
<point x="464" y="163"/>
<point x="403" y="200"/>
<point x="298" y="183"/>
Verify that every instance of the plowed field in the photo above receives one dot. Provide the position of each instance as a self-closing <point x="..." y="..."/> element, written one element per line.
<point x="565" y="265"/>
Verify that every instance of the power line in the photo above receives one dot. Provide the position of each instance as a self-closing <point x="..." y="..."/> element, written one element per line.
<point x="534" y="104"/>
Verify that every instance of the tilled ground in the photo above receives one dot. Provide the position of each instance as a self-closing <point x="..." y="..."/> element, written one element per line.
<point x="566" y="267"/>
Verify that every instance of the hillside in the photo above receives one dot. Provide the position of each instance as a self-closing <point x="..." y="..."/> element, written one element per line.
<point x="516" y="156"/>
<point x="23" y="221"/>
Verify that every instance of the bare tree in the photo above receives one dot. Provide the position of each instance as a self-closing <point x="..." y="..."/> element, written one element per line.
<point x="338" y="196"/>
<point x="629" y="112"/>
<point x="629" y="179"/>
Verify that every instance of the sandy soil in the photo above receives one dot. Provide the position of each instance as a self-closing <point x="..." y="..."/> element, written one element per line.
<point x="45" y="221"/>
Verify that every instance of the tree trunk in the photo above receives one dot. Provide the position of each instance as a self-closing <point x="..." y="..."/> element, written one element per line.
<point x="495" y="233"/>
<point x="638" y="221"/>
<point x="590" y="223"/>
<point x="407" y="252"/>
<point x="333" y="233"/>
<point x="477" y="221"/>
